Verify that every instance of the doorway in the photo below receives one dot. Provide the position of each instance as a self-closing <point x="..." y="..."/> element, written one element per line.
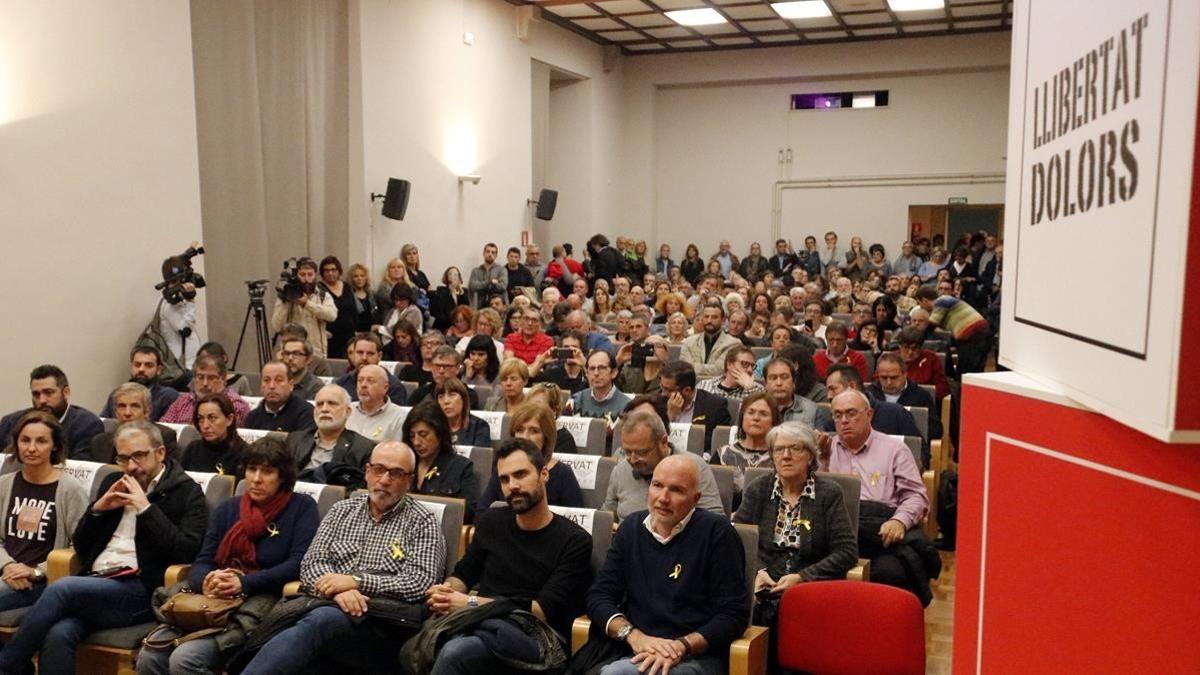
<point x="952" y="221"/>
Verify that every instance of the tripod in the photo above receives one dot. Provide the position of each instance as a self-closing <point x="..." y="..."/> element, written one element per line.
<point x="257" y="290"/>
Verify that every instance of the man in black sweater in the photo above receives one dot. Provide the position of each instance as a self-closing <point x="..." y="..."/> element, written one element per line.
<point x="281" y="408"/>
<point x="149" y="517"/>
<point x="524" y="553"/>
<point x="673" y="587"/>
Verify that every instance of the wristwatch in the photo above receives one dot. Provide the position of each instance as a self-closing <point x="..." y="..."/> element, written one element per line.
<point x="472" y="601"/>
<point x="623" y="633"/>
<point x="38" y="575"/>
<point x="357" y="580"/>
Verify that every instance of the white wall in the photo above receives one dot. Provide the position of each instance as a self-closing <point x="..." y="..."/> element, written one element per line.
<point x="433" y="106"/>
<point x="98" y="181"/>
<point x="703" y="132"/>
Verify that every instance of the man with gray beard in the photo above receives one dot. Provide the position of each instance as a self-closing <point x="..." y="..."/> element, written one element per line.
<point x="332" y="441"/>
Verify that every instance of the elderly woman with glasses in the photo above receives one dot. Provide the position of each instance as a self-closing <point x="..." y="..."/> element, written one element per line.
<point x="804" y="531"/>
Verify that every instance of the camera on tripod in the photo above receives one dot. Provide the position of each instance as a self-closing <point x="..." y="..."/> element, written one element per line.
<point x="177" y="271"/>
<point x="257" y="290"/>
<point x="290" y="287"/>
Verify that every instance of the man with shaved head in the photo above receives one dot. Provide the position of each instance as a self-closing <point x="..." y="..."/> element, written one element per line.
<point x="672" y="593"/>
<point x="378" y="546"/>
<point x="374" y="416"/>
<point x="332" y="441"/>
<point x="892" y="498"/>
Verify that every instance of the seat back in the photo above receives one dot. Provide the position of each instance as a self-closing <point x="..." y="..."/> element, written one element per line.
<point x="324" y="495"/>
<point x="921" y="417"/>
<point x="217" y="487"/>
<point x="252" y="401"/>
<point x="589" y="433"/>
<point x="597" y="523"/>
<point x="749" y="536"/>
<point x="760" y="352"/>
<point x="721" y="437"/>
<point x="498" y="424"/>
<point x="836" y="643"/>
<point x="251" y="435"/>
<point x="184" y="433"/>
<point x="734" y="406"/>
<point x="914" y="444"/>
<point x="929" y="389"/>
<point x="482" y="391"/>
<point x="673" y="352"/>
<point x="725" y="482"/>
<point x="753" y="473"/>
<point x="90" y="474"/>
<point x="450" y="512"/>
<point x="870" y="357"/>
<point x="481" y="461"/>
<point x="338" y="367"/>
<point x="851" y="493"/>
<point x="110" y="425"/>
<point x="593" y="473"/>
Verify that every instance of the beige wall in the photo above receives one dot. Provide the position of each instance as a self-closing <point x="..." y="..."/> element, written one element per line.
<point x="98" y="182"/>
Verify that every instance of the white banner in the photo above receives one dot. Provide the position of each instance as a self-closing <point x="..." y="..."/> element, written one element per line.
<point x="494" y="419"/>
<point x="202" y="478"/>
<point x="84" y="472"/>
<point x="577" y="427"/>
<point x="584" y="466"/>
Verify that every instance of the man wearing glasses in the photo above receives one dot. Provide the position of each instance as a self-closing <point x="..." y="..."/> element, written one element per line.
<point x="738" y="380"/>
<point x="445" y="364"/>
<point x="601" y="398"/>
<point x="529" y="342"/>
<point x="893" y="501"/>
<point x="374" y="416"/>
<point x="367" y="349"/>
<point x="297" y="355"/>
<point x="149" y="517"/>
<point x="381" y="545"/>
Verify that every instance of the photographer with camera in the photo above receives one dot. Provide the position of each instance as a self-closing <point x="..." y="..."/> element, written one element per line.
<point x="641" y="359"/>
<point x="172" y="331"/>
<point x="299" y="300"/>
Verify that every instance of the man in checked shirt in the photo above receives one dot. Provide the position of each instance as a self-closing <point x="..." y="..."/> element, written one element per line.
<point x="380" y="545"/>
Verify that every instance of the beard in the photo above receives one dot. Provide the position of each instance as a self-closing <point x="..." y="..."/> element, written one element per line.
<point x="144" y="380"/>
<point x="57" y="411"/>
<point x="329" y="425"/>
<point x="522" y="502"/>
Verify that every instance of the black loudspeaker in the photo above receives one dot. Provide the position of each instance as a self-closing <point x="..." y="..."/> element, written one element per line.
<point x="547" y="200"/>
<point x="395" y="202"/>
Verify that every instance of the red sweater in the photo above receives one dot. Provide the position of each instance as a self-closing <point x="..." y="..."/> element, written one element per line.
<point x="927" y="369"/>
<point x="527" y="351"/>
<point x="851" y="357"/>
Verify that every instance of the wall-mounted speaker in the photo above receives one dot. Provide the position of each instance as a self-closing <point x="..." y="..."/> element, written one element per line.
<point x="547" y="200"/>
<point x="395" y="202"/>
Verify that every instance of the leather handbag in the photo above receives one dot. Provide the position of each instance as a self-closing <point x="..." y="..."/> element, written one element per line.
<point x="194" y="615"/>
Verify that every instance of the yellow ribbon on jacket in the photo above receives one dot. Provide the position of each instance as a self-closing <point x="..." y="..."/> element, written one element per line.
<point x="675" y="574"/>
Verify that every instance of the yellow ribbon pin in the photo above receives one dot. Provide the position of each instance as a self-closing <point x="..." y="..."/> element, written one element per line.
<point x="397" y="552"/>
<point x="874" y="478"/>
<point x="272" y="530"/>
<point x="432" y="473"/>
<point x="378" y="431"/>
<point x="220" y="470"/>
<point x="675" y="574"/>
<point x="800" y="522"/>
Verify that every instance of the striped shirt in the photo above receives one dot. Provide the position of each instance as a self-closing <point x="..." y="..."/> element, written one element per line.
<point x="958" y="317"/>
<point x="397" y="557"/>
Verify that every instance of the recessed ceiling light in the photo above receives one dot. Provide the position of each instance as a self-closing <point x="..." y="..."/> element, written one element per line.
<point x="802" y="9"/>
<point x="915" y="5"/>
<point x="704" y="16"/>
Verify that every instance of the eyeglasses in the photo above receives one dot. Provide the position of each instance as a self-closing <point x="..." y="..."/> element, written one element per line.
<point x="793" y="450"/>
<point x="851" y="414"/>
<point x="379" y="470"/>
<point x="288" y="355"/>
<point x="137" y="457"/>
<point x="444" y="366"/>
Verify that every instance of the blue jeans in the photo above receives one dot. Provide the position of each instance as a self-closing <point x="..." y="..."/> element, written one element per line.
<point x="293" y="649"/>
<point x="465" y="655"/>
<point x="699" y="665"/>
<point x="11" y="598"/>
<point x="195" y="656"/>
<point x="63" y="616"/>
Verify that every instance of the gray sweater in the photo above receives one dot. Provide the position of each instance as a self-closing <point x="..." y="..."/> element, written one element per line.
<point x="71" y="500"/>
<point x="627" y="491"/>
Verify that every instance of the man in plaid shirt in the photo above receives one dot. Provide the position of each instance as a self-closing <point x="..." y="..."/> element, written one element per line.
<point x="380" y="545"/>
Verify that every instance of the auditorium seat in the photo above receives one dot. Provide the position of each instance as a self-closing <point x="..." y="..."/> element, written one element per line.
<point x="593" y="474"/>
<point x="481" y="462"/>
<point x="499" y="423"/>
<point x="450" y="512"/>
<point x="590" y="433"/>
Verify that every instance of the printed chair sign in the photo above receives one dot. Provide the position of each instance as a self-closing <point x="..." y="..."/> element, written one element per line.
<point x="1101" y="158"/>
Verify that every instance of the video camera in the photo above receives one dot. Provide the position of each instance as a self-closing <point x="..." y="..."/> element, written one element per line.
<point x="290" y="287"/>
<point x="177" y="271"/>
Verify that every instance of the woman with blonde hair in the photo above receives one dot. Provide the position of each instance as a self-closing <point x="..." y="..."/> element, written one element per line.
<point x="366" y="308"/>
<point x="677" y="328"/>
<point x="512" y="378"/>
<point x="535" y="422"/>
<point x="396" y="273"/>
<point x="485" y="322"/>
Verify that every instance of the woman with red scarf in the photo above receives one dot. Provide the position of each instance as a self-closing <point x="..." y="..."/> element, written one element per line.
<point x="253" y="547"/>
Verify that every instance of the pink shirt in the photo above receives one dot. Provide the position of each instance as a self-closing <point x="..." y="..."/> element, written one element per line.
<point x="888" y="474"/>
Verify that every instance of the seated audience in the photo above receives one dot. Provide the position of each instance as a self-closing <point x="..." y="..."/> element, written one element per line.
<point x="51" y="393"/>
<point x="808" y="383"/>
<point x="837" y="351"/>
<point x="131" y="401"/>
<point x="530" y="341"/>
<point x="148" y="517"/>
<point x="887" y="418"/>
<point x="893" y="386"/>
<point x="445" y="363"/>
<point x="688" y="404"/>
<point x="482" y="365"/>
<point x="237" y="382"/>
<point x="297" y="355"/>
<point x="781" y="386"/>
<point x="678" y="329"/>
<point x="566" y="372"/>
<point x="367" y="349"/>
<point x="804" y="531"/>
<point x="779" y="337"/>
<point x="524" y="554"/>
<point x="208" y="377"/>
<point x="485" y="322"/>
<point x="440" y="470"/>
<point x="707" y="350"/>
<point x="43" y="506"/>
<point x="253" y="546"/>
<point x="374" y="416"/>
<point x="549" y="395"/>
<point x="893" y="501"/>
<point x="601" y="398"/>
<point x="332" y="443"/>
<point x="970" y="331"/>
<point x="533" y="421"/>
<point x="578" y="322"/>
<point x="868" y="339"/>
<point x="513" y="377"/>
<point x="922" y="365"/>
<point x="281" y="409"/>
<point x="757" y="416"/>
<point x="672" y="592"/>
<point x="372" y="550"/>
<point x="145" y="368"/>
<point x="644" y="444"/>
<point x="219" y="448"/>
<point x="737" y="382"/>
<point x="405" y="345"/>
<point x="465" y="428"/>
<point x="318" y="366"/>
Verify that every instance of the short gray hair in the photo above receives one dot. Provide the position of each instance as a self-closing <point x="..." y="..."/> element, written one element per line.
<point x="802" y="434"/>
<point x="648" y="419"/>
<point x="132" y="388"/>
<point x="343" y="396"/>
<point x="147" y="429"/>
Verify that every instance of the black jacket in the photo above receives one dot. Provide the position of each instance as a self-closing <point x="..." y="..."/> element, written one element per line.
<point x="607" y="263"/>
<point x="711" y="411"/>
<point x="104" y="446"/>
<point x="452" y="475"/>
<point x="443" y="303"/>
<point x="782" y="266"/>
<point x="691" y="269"/>
<point x="295" y="415"/>
<point x="168" y="533"/>
<point x="351" y="448"/>
<point x="914" y="396"/>
<point x="79" y="424"/>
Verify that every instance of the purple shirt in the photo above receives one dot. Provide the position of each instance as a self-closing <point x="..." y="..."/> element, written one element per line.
<point x="888" y="474"/>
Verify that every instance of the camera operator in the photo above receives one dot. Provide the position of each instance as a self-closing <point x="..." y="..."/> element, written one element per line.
<point x="641" y="358"/>
<point x="298" y="300"/>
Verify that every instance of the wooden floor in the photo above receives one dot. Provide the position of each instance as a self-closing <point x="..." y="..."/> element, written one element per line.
<point x="939" y="620"/>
